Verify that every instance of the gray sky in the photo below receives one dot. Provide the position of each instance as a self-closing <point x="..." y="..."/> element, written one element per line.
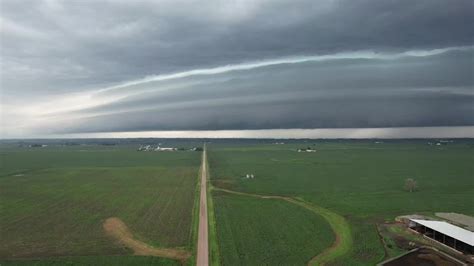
<point x="92" y="67"/>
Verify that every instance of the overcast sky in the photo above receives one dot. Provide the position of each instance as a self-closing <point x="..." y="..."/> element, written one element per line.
<point x="111" y="67"/>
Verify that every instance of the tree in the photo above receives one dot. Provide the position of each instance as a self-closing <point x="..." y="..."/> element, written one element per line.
<point x="411" y="184"/>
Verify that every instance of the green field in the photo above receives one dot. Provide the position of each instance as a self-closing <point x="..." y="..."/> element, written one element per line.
<point x="318" y="208"/>
<point x="95" y="260"/>
<point x="253" y="231"/>
<point x="54" y="200"/>
<point x="362" y="181"/>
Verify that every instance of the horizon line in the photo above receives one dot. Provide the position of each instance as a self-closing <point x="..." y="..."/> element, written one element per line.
<point x="454" y="132"/>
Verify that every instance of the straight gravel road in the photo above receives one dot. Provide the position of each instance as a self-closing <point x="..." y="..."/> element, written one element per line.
<point x="203" y="241"/>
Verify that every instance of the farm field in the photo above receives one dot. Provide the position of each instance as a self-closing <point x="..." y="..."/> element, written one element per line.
<point x="253" y="231"/>
<point x="95" y="260"/>
<point x="361" y="180"/>
<point x="101" y="204"/>
<point x="55" y="200"/>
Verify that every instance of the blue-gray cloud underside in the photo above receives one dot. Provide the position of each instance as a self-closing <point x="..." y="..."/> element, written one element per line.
<point x="435" y="90"/>
<point x="62" y="46"/>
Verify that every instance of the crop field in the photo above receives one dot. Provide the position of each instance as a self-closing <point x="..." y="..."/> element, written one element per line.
<point x="95" y="260"/>
<point x="101" y="204"/>
<point x="362" y="181"/>
<point x="55" y="200"/>
<point x="253" y="231"/>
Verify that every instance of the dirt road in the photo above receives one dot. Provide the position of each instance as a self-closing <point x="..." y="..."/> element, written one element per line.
<point x="203" y="242"/>
<point x="116" y="228"/>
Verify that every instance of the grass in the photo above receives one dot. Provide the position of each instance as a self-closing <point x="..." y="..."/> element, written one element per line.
<point x="215" y="257"/>
<point x="195" y="224"/>
<point x="253" y="231"/>
<point x="368" y="248"/>
<point x="54" y="200"/>
<point x="361" y="181"/>
<point x="339" y="226"/>
<point x="353" y="176"/>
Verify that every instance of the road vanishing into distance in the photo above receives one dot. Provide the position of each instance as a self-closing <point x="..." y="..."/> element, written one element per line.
<point x="203" y="241"/>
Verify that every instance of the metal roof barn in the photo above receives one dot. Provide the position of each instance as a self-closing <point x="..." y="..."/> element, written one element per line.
<point x="448" y="229"/>
<point x="448" y="234"/>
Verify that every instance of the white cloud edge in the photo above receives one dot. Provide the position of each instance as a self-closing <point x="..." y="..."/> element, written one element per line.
<point x="363" y="54"/>
<point x="324" y="133"/>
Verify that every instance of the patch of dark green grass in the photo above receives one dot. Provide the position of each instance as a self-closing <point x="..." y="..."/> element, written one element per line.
<point x="254" y="231"/>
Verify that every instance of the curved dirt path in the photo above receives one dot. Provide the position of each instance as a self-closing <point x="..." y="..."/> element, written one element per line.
<point x="382" y="241"/>
<point x="117" y="229"/>
<point x="338" y="224"/>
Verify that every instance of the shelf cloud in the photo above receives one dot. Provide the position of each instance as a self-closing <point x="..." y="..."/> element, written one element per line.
<point x="93" y="67"/>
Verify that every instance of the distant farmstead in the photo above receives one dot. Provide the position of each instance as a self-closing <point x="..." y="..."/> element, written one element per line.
<point x="306" y="150"/>
<point x="160" y="148"/>
<point x="165" y="149"/>
<point x="157" y="148"/>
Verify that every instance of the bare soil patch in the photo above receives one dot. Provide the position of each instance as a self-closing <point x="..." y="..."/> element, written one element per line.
<point x="117" y="229"/>
<point x="422" y="257"/>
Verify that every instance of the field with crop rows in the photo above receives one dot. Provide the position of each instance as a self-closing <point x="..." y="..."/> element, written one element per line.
<point x="95" y="260"/>
<point x="253" y="231"/>
<point x="55" y="200"/>
<point x="361" y="180"/>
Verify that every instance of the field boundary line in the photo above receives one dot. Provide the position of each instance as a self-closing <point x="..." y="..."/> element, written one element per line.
<point x="339" y="225"/>
<point x="382" y="241"/>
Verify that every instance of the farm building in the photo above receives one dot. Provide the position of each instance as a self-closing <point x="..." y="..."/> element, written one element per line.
<point x="306" y="150"/>
<point x="144" y="148"/>
<point x="448" y="234"/>
<point x="152" y="148"/>
<point x="165" y="149"/>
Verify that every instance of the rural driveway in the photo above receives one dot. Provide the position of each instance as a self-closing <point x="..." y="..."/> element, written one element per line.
<point x="203" y="242"/>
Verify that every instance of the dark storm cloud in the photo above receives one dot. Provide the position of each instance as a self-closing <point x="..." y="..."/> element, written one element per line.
<point x="52" y="48"/>
<point x="83" y="43"/>
<point x="324" y="80"/>
<point x="300" y="113"/>
<point x="430" y="91"/>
